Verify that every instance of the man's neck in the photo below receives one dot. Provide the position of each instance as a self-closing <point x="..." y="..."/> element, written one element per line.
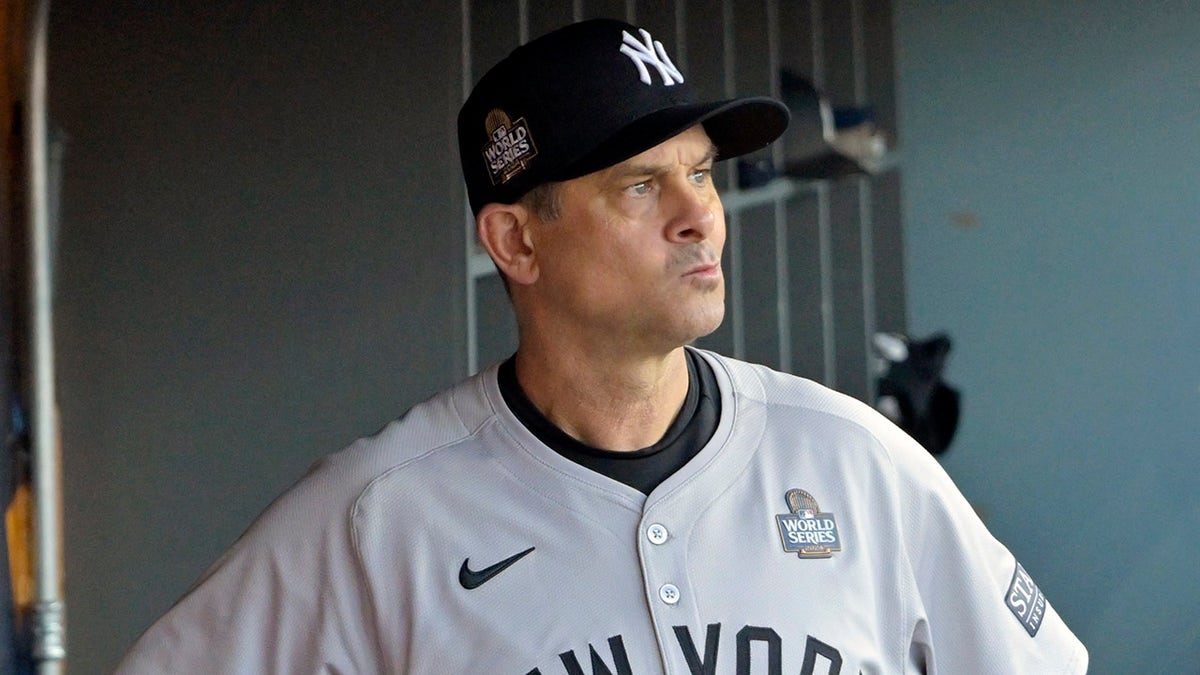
<point x="619" y="403"/>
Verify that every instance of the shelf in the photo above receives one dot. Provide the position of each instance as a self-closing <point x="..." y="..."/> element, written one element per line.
<point x="778" y="189"/>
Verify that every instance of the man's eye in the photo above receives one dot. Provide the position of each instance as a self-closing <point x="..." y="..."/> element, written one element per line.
<point x="640" y="189"/>
<point x="701" y="176"/>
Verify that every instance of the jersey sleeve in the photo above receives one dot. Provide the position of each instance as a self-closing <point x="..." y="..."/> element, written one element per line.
<point x="286" y="598"/>
<point x="977" y="609"/>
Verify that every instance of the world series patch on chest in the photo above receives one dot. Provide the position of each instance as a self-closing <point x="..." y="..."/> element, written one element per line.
<point x="806" y="531"/>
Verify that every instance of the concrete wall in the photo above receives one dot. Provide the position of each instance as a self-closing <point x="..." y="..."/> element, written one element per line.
<point x="260" y="253"/>
<point x="1052" y="226"/>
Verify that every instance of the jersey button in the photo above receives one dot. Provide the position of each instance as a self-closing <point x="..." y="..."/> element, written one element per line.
<point x="669" y="593"/>
<point x="657" y="534"/>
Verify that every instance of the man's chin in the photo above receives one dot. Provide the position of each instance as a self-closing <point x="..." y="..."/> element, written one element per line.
<point x="705" y="325"/>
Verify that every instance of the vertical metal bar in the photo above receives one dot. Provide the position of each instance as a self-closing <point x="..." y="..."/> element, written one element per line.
<point x="858" y="49"/>
<point x="681" y="34"/>
<point x="49" y="646"/>
<point x="824" y="233"/>
<point x="774" y="61"/>
<point x="818" y="45"/>
<point x="736" y="304"/>
<point x="783" y="305"/>
<point x="867" y="242"/>
<point x="472" y="326"/>
<point x="825" y="246"/>
<point x="522" y="21"/>
<point x="865" y="210"/>
<point x="727" y="52"/>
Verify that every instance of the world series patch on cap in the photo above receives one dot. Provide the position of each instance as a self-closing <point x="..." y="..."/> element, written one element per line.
<point x="585" y="97"/>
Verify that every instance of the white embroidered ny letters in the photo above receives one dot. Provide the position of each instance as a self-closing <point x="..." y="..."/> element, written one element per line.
<point x="650" y="51"/>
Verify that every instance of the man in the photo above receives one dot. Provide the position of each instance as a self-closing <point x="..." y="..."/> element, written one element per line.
<point x="610" y="500"/>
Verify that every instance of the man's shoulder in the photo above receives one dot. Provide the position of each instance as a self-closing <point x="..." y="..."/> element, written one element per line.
<point x="439" y="423"/>
<point x="791" y="399"/>
<point x="763" y="384"/>
<point x="332" y="490"/>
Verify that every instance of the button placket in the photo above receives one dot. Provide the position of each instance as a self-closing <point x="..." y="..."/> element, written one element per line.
<point x="662" y="564"/>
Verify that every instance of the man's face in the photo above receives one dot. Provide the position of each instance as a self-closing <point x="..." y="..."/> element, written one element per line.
<point x="633" y="261"/>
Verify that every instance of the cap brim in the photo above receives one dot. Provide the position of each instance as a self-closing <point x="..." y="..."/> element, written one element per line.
<point x="736" y="127"/>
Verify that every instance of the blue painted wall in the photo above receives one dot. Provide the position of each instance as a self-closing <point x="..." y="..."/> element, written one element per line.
<point x="1052" y="210"/>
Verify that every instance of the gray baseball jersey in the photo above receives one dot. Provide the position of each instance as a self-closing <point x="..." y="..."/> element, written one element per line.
<point x="808" y="536"/>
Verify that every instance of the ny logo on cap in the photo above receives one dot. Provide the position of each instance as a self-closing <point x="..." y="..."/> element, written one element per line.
<point x="651" y="52"/>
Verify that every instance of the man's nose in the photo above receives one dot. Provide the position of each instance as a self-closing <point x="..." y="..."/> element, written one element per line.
<point x="692" y="213"/>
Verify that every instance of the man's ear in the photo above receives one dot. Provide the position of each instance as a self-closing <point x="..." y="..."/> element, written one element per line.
<point x="503" y="230"/>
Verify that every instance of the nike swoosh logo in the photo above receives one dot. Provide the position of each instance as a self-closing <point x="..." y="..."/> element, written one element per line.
<point x="470" y="578"/>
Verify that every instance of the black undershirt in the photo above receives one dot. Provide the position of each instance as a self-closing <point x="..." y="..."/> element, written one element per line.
<point x="641" y="469"/>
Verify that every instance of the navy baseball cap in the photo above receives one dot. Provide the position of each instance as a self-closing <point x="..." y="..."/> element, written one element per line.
<point x="583" y="98"/>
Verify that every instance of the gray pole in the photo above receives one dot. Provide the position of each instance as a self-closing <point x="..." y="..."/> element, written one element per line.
<point x="49" y="648"/>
